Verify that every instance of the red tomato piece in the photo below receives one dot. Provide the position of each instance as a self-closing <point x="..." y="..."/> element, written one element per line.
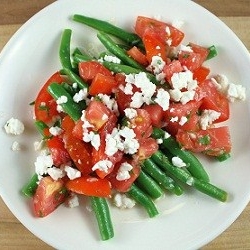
<point x="213" y="141"/>
<point x="200" y="50"/>
<point x="77" y="131"/>
<point x="48" y="196"/>
<point x="89" y="69"/>
<point x="124" y="185"/>
<point x="174" y="35"/>
<point x="79" y="151"/>
<point x="97" y="113"/>
<point x="171" y="68"/>
<point x="178" y="111"/>
<point x="102" y="84"/>
<point x="138" y="56"/>
<point x="147" y="147"/>
<point x="45" y="105"/>
<point x="214" y="100"/>
<point x="191" y="60"/>
<point x="141" y="124"/>
<point x="67" y="123"/>
<point x="200" y="74"/>
<point x="156" y="114"/>
<point x="59" y="154"/>
<point x="90" y="186"/>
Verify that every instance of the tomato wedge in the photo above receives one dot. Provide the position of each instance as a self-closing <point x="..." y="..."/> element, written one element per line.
<point x="90" y="186"/>
<point x="136" y="54"/>
<point x="48" y="196"/>
<point x="45" y="104"/>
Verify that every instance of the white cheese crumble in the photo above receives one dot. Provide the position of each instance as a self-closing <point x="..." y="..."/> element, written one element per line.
<point x="14" y="126"/>
<point x="183" y="120"/>
<point x="122" y="201"/>
<point x="62" y="99"/>
<point x="72" y="173"/>
<point x="178" y="162"/>
<point x="207" y="118"/>
<point x="113" y="59"/>
<point x="81" y="95"/>
<point x="15" y="146"/>
<point x="55" y="130"/>
<point x="103" y="165"/>
<point x="42" y="163"/>
<point x="162" y="98"/>
<point x="123" y="171"/>
<point x="72" y="201"/>
<point x="93" y="138"/>
<point x="109" y="102"/>
<point x="55" y="173"/>
<point x="130" y="113"/>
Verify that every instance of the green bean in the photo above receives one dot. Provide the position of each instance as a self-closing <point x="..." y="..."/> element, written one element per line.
<point x="143" y="199"/>
<point x="125" y="69"/>
<point x="112" y="47"/>
<point x="40" y="126"/>
<point x="30" y="188"/>
<point x="185" y="177"/>
<point x="128" y="37"/>
<point x="64" y="50"/>
<point x="194" y="166"/>
<point x="160" y="177"/>
<point x="212" y="52"/>
<point x="149" y="185"/>
<point x="102" y="213"/>
<point x="70" y="107"/>
<point x="223" y="157"/>
<point x="75" y="78"/>
<point x="77" y="58"/>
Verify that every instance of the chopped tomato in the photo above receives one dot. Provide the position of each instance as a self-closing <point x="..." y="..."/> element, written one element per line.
<point x="180" y="116"/>
<point x="79" y="151"/>
<point x="156" y="114"/>
<point x="190" y="60"/>
<point x="90" y="186"/>
<point x="166" y="31"/>
<point x="102" y="84"/>
<point x="147" y="147"/>
<point x="48" y="196"/>
<point x="141" y="124"/>
<point x="138" y="56"/>
<point x="77" y="131"/>
<point x="67" y="123"/>
<point x="200" y="50"/>
<point x="97" y="113"/>
<point x="200" y="74"/>
<point x="214" y="100"/>
<point x="153" y="46"/>
<point x="89" y="69"/>
<point x="45" y="105"/>
<point x="171" y="68"/>
<point x="59" y="154"/>
<point x="124" y="185"/>
<point x="213" y="141"/>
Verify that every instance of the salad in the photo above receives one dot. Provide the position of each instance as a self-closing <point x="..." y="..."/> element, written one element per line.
<point x="124" y="124"/>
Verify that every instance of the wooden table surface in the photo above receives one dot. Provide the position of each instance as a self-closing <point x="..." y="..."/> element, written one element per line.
<point x="235" y="13"/>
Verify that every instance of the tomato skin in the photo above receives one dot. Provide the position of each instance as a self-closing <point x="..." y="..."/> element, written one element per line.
<point x="97" y="113"/>
<point x="102" y="84"/>
<point x="200" y="74"/>
<point x="47" y="113"/>
<point x="138" y="56"/>
<point x="214" y="100"/>
<point x="124" y="185"/>
<point x="200" y="50"/>
<point x="213" y="141"/>
<point x="90" y="186"/>
<point x="89" y="69"/>
<point x="48" y="196"/>
<point x="156" y="114"/>
<point x="190" y="60"/>
<point x="59" y="154"/>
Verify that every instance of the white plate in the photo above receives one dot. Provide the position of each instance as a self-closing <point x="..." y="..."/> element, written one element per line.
<point x="186" y="222"/>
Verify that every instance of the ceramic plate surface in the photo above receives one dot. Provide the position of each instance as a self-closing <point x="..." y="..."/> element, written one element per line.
<point x="185" y="222"/>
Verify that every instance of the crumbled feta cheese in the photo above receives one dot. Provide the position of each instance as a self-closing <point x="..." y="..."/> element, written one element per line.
<point x="174" y="119"/>
<point x="178" y="162"/>
<point x="207" y="117"/>
<point x="137" y="100"/>
<point x="55" y="173"/>
<point x="16" y="146"/>
<point x="162" y="98"/>
<point x="123" y="171"/>
<point x="113" y="59"/>
<point x="187" y="96"/>
<point x="103" y="165"/>
<point x="185" y="48"/>
<point x="42" y="163"/>
<point x="72" y="173"/>
<point x="180" y="80"/>
<point x="183" y="120"/>
<point x="190" y="181"/>
<point x="130" y="113"/>
<point x="157" y="64"/>
<point x="159" y="141"/>
<point x="72" y="201"/>
<point x="122" y="201"/>
<point x="81" y="95"/>
<point x="14" y="126"/>
<point x="109" y="102"/>
<point x="168" y="31"/>
<point x="62" y="99"/>
<point x="93" y="138"/>
<point x="55" y="130"/>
